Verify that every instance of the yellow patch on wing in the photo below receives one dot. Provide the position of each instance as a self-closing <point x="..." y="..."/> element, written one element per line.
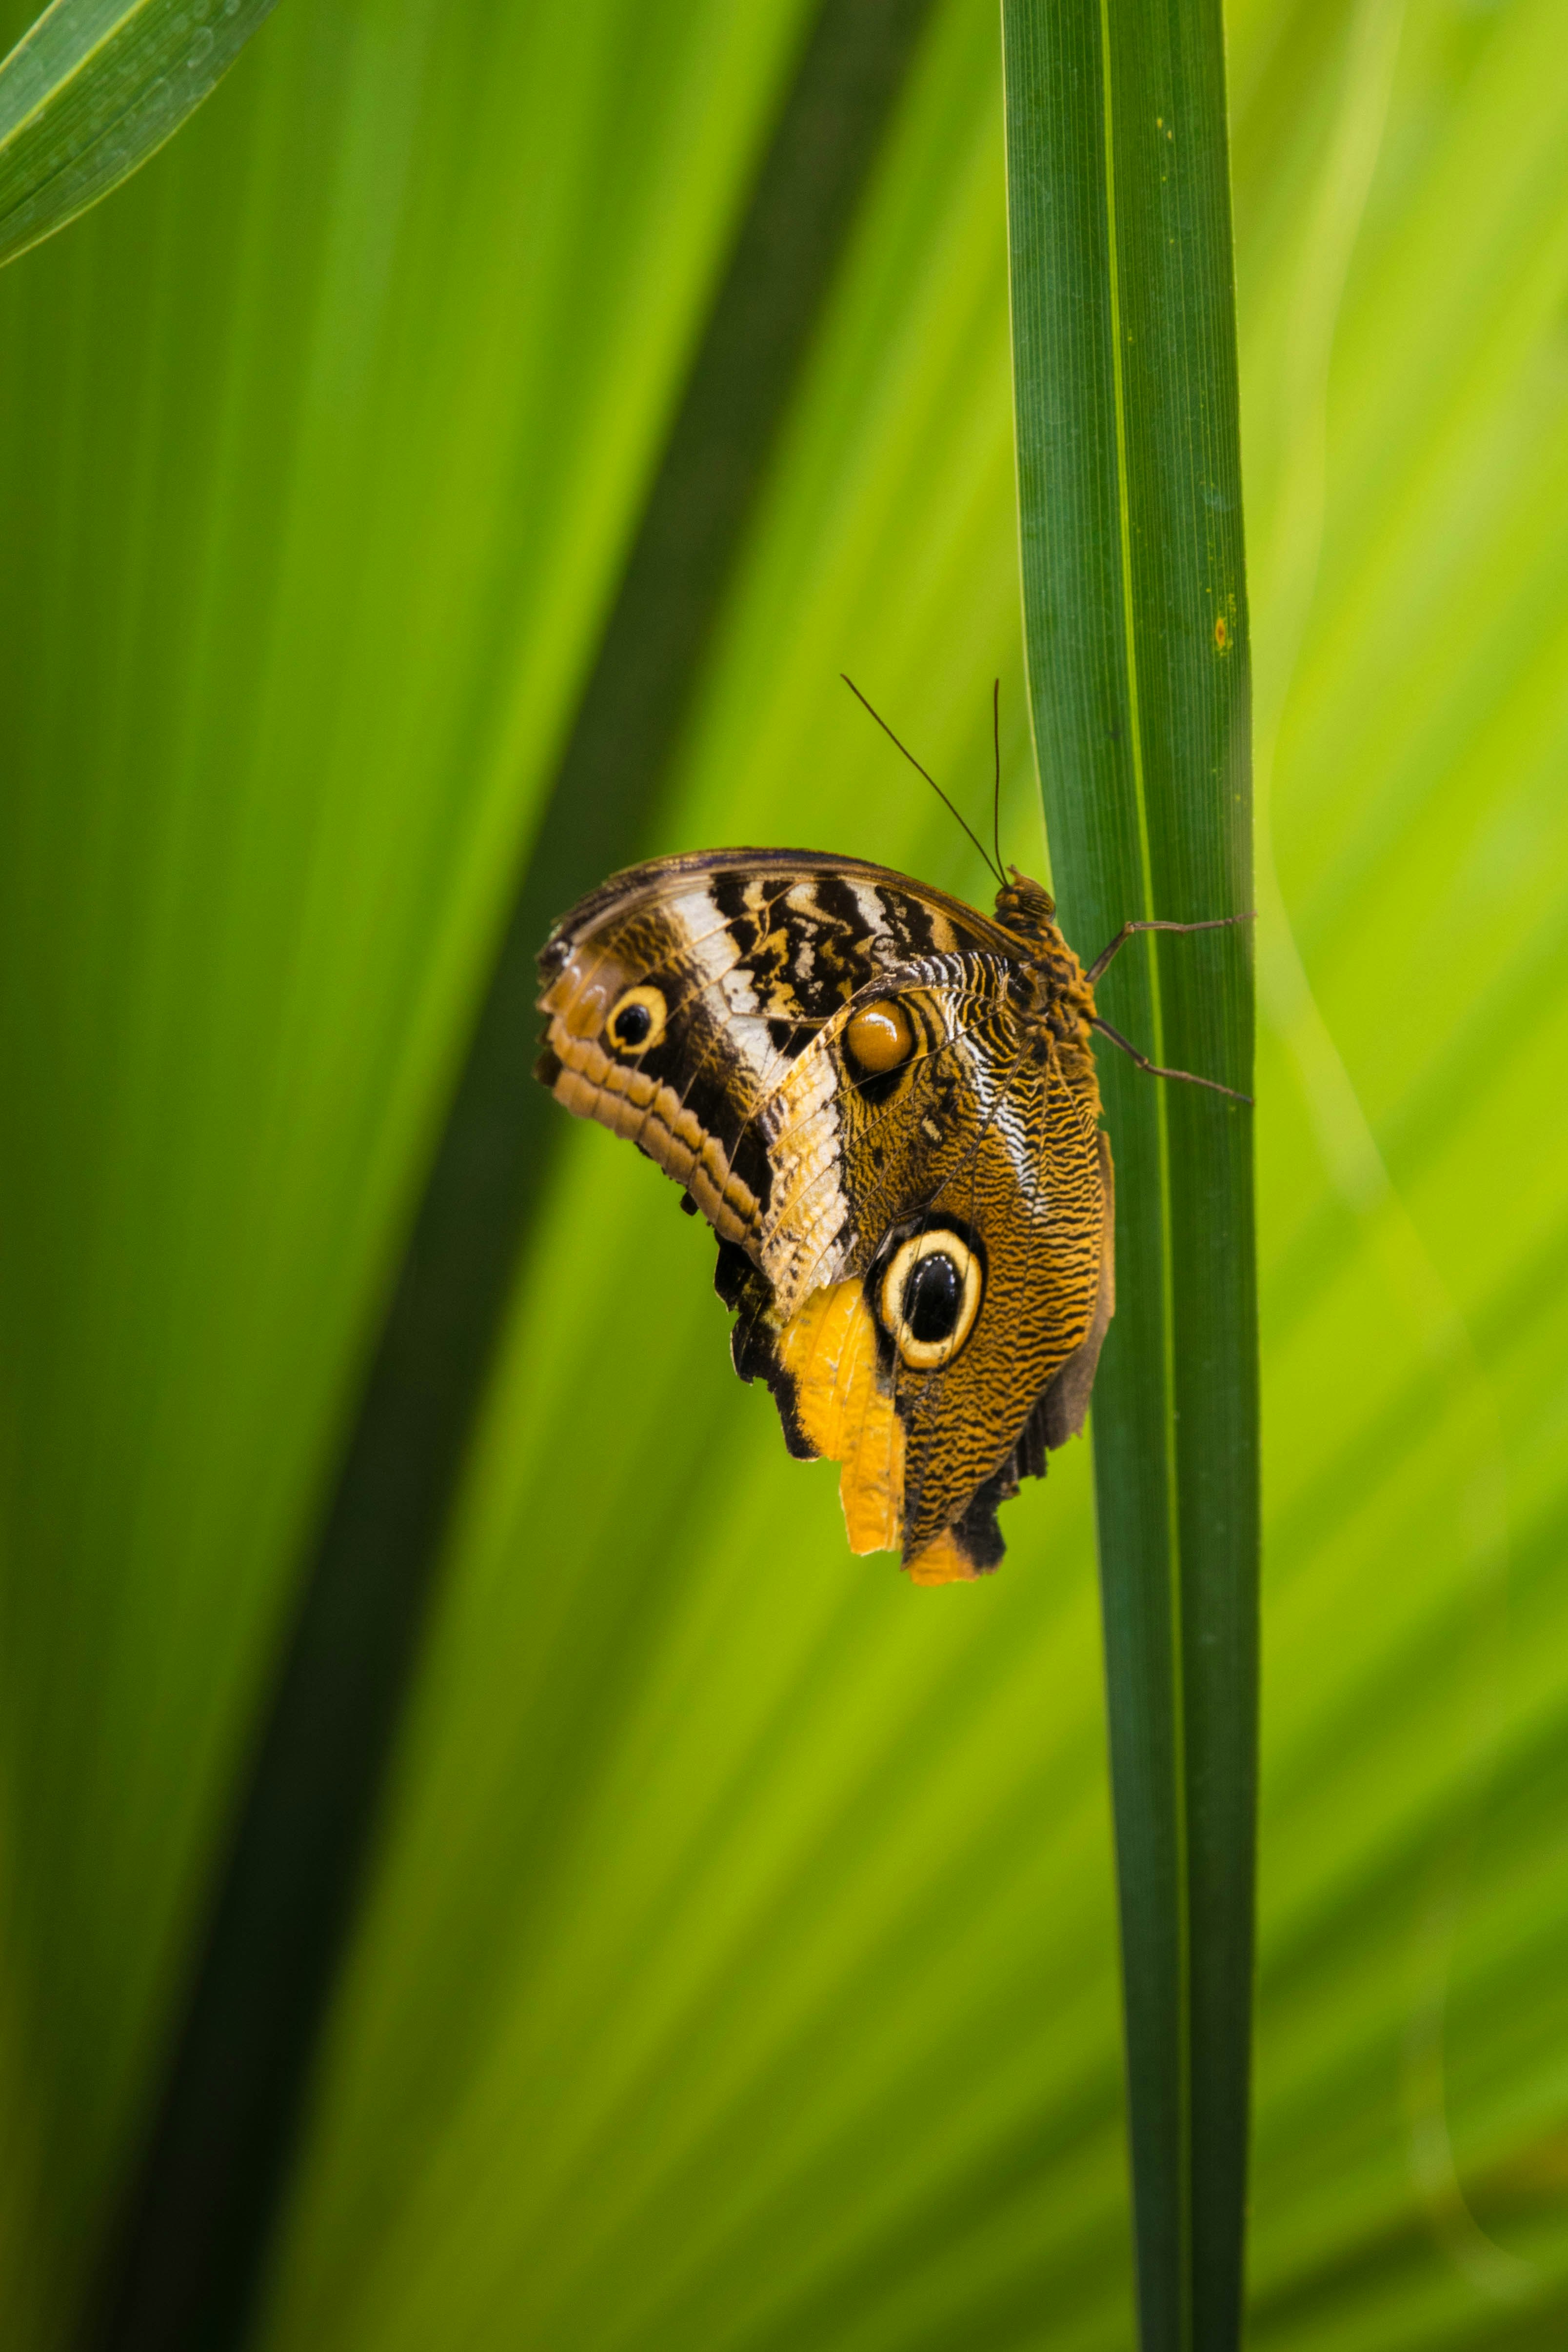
<point x="828" y="1349"/>
<point x="942" y="1562"/>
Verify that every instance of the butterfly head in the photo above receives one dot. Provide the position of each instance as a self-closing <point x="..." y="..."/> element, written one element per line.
<point x="1025" y="909"/>
<point x="1058" y="992"/>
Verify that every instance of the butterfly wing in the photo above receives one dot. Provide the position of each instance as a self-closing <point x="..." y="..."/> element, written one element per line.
<point x="940" y="1233"/>
<point x="679" y="992"/>
<point x="702" y="1007"/>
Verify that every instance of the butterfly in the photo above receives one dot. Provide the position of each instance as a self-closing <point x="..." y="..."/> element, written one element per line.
<point x="886" y="1105"/>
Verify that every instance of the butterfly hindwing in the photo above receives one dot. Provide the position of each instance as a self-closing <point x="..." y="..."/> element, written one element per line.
<point x="981" y="1152"/>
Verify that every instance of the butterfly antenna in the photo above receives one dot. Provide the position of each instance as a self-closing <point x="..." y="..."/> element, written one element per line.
<point x="930" y="779"/>
<point x="997" y="760"/>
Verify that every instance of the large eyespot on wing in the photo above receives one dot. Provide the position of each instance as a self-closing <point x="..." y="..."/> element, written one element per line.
<point x="930" y="1295"/>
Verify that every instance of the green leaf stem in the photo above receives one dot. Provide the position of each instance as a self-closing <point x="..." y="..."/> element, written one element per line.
<point x="1135" y="624"/>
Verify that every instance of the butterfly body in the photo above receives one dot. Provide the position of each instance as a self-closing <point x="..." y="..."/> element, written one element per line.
<point x="886" y="1105"/>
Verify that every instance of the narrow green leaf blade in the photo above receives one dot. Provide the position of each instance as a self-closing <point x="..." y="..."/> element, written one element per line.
<point x="1129" y="479"/>
<point x="93" y="89"/>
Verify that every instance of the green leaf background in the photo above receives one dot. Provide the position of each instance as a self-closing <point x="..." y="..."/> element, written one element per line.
<point x="738" y="1969"/>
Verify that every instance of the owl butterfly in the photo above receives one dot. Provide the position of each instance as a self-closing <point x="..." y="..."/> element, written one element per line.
<point x="885" y="1105"/>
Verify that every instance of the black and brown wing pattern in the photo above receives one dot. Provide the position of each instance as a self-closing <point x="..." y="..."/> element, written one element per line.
<point x="679" y="991"/>
<point x="876" y="1097"/>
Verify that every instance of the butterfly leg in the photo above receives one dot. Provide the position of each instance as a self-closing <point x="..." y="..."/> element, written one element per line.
<point x="1215" y="923"/>
<point x="1152" y="1068"/>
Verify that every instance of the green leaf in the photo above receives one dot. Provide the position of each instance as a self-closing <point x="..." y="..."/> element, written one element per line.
<point x="93" y="89"/>
<point x="1135" y="624"/>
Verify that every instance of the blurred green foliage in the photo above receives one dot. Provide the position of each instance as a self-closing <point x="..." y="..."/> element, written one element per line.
<point x="739" y="1968"/>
